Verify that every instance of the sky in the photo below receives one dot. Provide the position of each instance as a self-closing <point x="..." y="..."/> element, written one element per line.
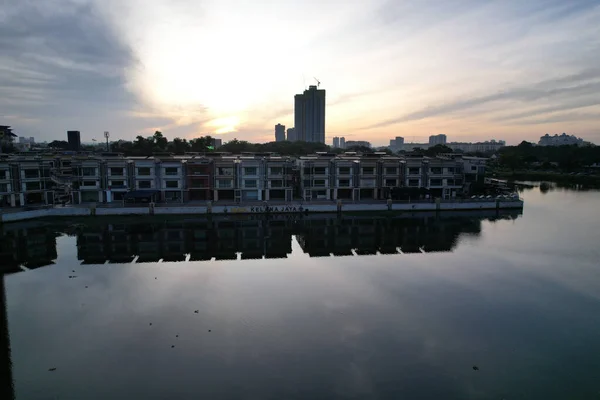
<point x="472" y="69"/>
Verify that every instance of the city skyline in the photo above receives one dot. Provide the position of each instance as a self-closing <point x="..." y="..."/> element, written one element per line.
<point x="511" y="70"/>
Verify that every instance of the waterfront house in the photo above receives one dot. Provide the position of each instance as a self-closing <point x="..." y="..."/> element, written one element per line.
<point x="117" y="177"/>
<point x="171" y="178"/>
<point x="225" y="171"/>
<point x="315" y="179"/>
<point x="345" y="182"/>
<point x="250" y="178"/>
<point x="278" y="179"/>
<point x="87" y="180"/>
<point x="7" y="193"/>
<point x="389" y="175"/>
<point x="34" y="181"/>
<point x="199" y="172"/>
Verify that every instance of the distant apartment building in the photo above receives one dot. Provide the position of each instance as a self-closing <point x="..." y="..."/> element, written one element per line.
<point x="336" y="142"/>
<point x="291" y="135"/>
<point x="561" y="140"/>
<point x="280" y="133"/>
<point x="342" y="142"/>
<point x="74" y="140"/>
<point x="309" y="115"/>
<point x="482" y="147"/>
<point x="437" y="139"/>
<point x="396" y="143"/>
<point x="357" y="143"/>
<point x="217" y="143"/>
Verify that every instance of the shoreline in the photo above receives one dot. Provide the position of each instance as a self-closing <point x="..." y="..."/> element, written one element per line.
<point x="291" y="208"/>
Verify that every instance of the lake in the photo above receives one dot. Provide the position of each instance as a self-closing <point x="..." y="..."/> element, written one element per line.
<point x="471" y="305"/>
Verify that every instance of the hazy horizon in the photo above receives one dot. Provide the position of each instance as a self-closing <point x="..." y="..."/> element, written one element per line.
<point x="475" y="71"/>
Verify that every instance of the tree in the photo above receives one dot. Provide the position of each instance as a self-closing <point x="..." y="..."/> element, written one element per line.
<point x="59" y="144"/>
<point x="437" y="149"/>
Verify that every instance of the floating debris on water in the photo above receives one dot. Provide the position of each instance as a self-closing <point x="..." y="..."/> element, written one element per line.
<point x="173" y="346"/>
<point x="196" y="311"/>
<point x="51" y="369"/>
<point x="475" y="368"/>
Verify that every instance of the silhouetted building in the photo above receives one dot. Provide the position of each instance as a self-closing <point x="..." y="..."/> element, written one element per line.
<point x="291" y="135"/>
<point x="342" y="143"/>
<point x="309" y="115"/>
<point x="336" y="142"/>
<point x="74" y="138"/>
<point x="280" y="133"/>
<point x="437" y="139"/>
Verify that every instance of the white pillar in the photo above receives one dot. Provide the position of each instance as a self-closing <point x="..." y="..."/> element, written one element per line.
<point x="216" y="195"/>
<point x="335" y="194"/>
<point x="259" y="194"/>
<point x="267" y="197"/>
<point x="12" y="200"/>
<point x="109" y="197"/>
<point x="22" y="198"/>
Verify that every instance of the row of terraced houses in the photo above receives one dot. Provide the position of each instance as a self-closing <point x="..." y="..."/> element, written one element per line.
<point x="110" y="177"/>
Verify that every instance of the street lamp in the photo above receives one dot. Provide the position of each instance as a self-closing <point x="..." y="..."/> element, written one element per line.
<point x="107" y="135"/>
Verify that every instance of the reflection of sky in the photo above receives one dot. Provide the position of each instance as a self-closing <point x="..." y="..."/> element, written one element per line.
<point x="520" y="303"/>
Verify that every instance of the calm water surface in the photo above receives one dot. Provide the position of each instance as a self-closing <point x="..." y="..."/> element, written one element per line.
<point x="312" y="308"/>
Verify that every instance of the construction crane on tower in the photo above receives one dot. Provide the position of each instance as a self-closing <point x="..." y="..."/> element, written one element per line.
<point x="318" y="82"/>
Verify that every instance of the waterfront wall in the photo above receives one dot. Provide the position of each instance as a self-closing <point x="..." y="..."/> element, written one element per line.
<point x="291" y="208"/>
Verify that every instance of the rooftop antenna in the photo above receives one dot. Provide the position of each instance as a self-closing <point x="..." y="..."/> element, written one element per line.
<point x="318" y="82"/>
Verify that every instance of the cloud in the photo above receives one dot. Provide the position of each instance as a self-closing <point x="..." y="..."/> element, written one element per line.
<point x="584" y="83"/>
<point x="387" y="65"/>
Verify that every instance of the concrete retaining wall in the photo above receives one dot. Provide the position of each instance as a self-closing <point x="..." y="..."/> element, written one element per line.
<point x="291" y="208"/>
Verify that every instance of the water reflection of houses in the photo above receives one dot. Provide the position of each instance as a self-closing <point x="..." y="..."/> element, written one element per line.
<point x="31" y="246"/>
<point x="247" y="237"/>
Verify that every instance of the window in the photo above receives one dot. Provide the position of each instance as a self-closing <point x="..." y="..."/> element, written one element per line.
<point x="199" y="184"/>
<point x="276" y="184"/>
<point x="319" y="183"/>
<point x="391" y="170"/>
<point x="458" y="182"/>
<point x="250" y="171"/>
<point x="276" y="171"/>
<point x="32" y="186"/>
<point x="116" y="171"/>
<point x="414" y="171"/>
<point x="117" y="183"/>
<point x="3" y="187"/>
<point x="307" y="171"/>
<point x="250" y="183"/>
<point x="344" y="170"/>
<point x="88" y="183"/>
<point x="435" y="182"/>
<point x="306" y="183"/>
<point x="320" y="170"/>
<point x="450" y="182"/>
<point x="367" y="183"/>
<point x="450" y="170"/>
<point x="344" y="183"/>
<point x="413" y="182"/>
<point x="390" y="182"/>
<point x="142" y="171"/>
<point x="32" y="173"/>
<point x="368" y="170"/>
<point x="473" y="168"/>
<point x="224" y="183"/>
<point x="88" y="171"/>
<point x="170" y="171"/>
<point x="144" y="184"/>
<point x="172" y="184"/>
<point x="436" y="170"/>
<point x="227" y="171"/>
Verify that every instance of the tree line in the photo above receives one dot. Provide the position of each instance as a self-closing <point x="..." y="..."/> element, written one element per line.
<point x="567" y="158"/>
